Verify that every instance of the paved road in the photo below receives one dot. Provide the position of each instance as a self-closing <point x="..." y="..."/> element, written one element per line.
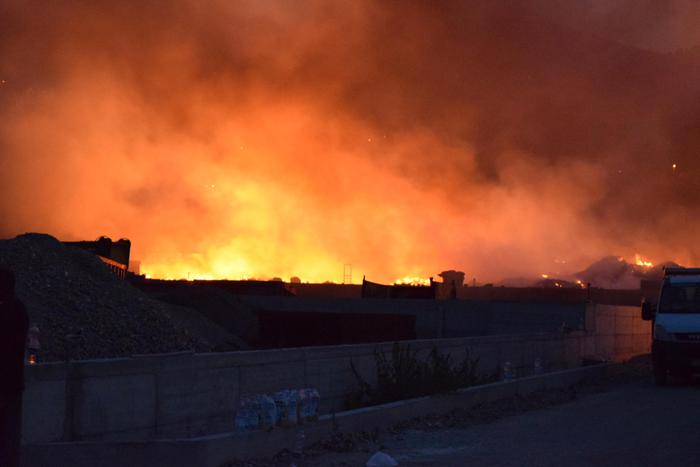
<point x="635" y="424"/>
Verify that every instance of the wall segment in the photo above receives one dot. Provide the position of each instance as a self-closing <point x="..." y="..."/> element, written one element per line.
<point x="188" y="394"/>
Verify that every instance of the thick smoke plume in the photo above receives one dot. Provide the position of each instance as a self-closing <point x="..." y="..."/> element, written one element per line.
<point x="275" y="138"/>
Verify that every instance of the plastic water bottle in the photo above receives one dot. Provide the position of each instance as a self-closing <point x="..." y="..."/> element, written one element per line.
<point x="308" y="404"/>
<point x="246" y="416"/>
<point x="315" y="401"/>
<point x="508" y="373"/>
<point x="282" y="403"/>
<point x="309" y="400"/>
<point x="267" y="411"/>
<point x="303" y="406"/>
<point x="287" y="407"/>
<point x="33" y="345"/>
<point x="293" y="404"/>
<point x="381" y="459"/>
<point x="538" y="370"/>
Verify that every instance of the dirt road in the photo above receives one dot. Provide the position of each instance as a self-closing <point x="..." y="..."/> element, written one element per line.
<point x="627" y="422"/>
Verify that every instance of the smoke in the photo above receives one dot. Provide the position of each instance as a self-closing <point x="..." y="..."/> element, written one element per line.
<point x="280" y="138"/>
<point x="649" y="24"/>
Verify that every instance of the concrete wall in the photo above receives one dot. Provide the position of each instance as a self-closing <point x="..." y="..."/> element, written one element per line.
<point x="630" y="297"/>
<point x="194" y="394"/>
<point x="616" y="332"/>
<point x="326" y="290"/>
<point x="620" y="297"/>
<point x="444" y="318"/>
<point x="219" y="449"/>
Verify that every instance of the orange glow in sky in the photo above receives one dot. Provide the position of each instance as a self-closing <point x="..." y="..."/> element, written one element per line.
<point x="257" y="139"/>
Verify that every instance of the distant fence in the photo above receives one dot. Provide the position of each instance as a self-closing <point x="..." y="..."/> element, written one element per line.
<point x="620" y="297"/>
<point x="116" y="268"/>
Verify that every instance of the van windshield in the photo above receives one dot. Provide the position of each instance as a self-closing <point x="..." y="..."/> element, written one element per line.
<point x="680" y="298"/>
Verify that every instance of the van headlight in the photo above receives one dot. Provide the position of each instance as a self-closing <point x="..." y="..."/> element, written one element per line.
<point x="661" y="334"/>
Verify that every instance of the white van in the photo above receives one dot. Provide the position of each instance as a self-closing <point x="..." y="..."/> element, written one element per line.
<point x="675" y="348"/>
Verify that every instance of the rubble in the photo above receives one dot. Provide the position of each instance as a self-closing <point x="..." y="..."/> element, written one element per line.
<point x="82" y="310"/>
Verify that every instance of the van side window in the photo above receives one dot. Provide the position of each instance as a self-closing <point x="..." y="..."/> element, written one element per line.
<point x="680" y="298"/>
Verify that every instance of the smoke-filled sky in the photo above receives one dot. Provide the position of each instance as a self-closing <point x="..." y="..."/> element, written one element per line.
<point x="261" y="138"/>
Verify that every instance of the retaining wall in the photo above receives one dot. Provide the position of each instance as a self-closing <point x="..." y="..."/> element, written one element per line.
<point x="220" y="449"/>
<point x="616" y="332"/>
<point x="188" y="394"/>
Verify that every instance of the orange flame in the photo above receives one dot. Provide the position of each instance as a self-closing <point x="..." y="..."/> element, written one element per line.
<point x="222" y="155"/>
<point x="639" y="260"/>
<point x="410" y="280"/>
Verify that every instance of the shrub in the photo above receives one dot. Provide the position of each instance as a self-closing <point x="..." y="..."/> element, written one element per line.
<point x="402" y="375"/>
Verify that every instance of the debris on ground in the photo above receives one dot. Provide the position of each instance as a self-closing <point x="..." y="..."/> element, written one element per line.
<point x="381" y="459"/>
<point x="633" y="370"/>
<point x="345" y="449"/>
<point x="82" y="310"/>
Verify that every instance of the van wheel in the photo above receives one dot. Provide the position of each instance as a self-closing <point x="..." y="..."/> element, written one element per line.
<point x="660" y="375"/>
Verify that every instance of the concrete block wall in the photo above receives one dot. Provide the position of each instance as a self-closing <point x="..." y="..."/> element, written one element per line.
<point x="188" y="394"/>
<point x="185" y="394"/>
<point x="617" y="332"/>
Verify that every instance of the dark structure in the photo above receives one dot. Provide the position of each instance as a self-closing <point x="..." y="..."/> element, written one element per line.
<point x="374" y="290"/>
<point x="14" y="324"/>
<point x="451" y="282"/>
<point x="298" y="328"/>
<point x="651" y="289"/>
<point x="246" y="287"/>
<point x="114" y="254"/>
<point x="252" y="287"/>
<point x="326" y="290"/>
<point x="269" y="325"/>
<point x="619" y="297"/>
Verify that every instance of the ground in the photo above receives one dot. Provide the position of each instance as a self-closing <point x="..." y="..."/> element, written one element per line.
<point x="625" y="421"/>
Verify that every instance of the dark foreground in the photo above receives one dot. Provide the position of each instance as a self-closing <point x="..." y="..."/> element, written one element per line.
<point x="635" y="424"/>
<point x="627" y="421"/>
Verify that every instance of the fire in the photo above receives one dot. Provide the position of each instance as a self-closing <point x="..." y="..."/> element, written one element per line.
<point x="222" y="155"/>
<point x="545" y="276"/>
<point x="639" y="260"/>
<point x="410" y="280"/>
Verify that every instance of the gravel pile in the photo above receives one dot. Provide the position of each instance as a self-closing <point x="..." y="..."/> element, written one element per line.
<point x="82" y="310"/>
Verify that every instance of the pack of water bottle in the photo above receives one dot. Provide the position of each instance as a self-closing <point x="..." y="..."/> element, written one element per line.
<point x="283" y="408"/>
<point x="247" y="417"/>
<point x="308" y="404"/>
<point x="287" y="403"/>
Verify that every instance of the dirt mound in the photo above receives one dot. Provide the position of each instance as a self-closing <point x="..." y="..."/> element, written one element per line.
<point x="82" y="310"/>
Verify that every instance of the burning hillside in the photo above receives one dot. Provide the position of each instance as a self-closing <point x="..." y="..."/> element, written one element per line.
<point x="614" y="272"/>
<point x="276" y="139"/>
<point x="609" y="272"/>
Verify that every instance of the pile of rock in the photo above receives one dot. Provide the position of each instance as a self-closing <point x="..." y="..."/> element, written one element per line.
<point x="82" y="310"/>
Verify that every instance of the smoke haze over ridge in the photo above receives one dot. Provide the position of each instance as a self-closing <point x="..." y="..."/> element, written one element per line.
<point x="279" y="138"/>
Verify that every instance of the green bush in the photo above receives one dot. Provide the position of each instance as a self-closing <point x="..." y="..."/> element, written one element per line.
<point x="402" y="375"/>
